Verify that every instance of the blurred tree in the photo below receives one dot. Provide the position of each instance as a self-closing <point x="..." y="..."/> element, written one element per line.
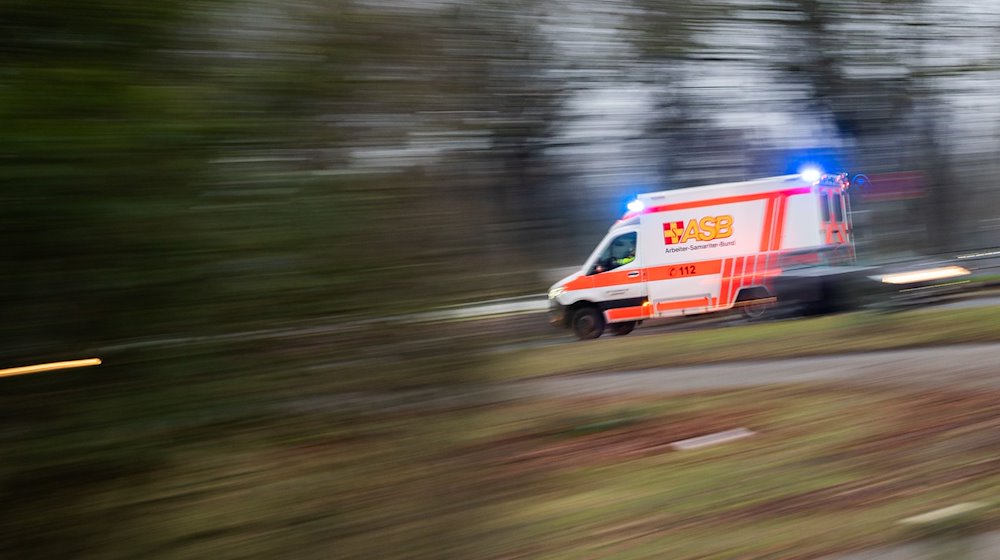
<point x="101" y="145"/>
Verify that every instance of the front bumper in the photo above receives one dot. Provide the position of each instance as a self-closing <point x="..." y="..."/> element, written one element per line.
<point x="558" y="314"/>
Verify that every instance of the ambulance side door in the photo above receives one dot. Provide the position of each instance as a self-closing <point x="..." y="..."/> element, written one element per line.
<point x="618" y="281"/>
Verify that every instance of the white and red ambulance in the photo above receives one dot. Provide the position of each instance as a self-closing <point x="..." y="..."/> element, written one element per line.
<point x="705" y="249"/>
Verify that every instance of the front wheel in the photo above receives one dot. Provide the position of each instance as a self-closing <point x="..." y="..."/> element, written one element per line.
<point x="588" y="323"/>
<point x="621" y="329"/>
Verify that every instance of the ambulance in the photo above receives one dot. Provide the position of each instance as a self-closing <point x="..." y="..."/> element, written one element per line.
<point x="707" y="249"/>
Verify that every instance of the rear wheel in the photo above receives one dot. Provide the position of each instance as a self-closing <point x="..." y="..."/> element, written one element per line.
<point x="754" y="311"/>
<point x="621" y="329"/>
<point x="754" y="303"/>
<point x="588" y="323"/>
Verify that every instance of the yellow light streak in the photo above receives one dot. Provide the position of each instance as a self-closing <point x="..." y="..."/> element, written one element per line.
<point x="52" y="366"/>
<point x="925" y="275"/>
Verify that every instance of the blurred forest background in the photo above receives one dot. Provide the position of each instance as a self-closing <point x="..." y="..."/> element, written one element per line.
<point x="196" y="168"/>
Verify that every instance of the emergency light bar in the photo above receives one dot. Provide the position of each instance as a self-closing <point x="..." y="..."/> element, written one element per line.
<point x="829" y="180"/>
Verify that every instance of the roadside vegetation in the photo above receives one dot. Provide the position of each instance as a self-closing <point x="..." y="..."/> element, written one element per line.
<point x="186" y="179"/>
<point x="834" y="334"/>
<point x="830" y="468"/>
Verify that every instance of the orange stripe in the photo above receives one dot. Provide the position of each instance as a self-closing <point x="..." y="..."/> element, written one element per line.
<point x="580" y="283"/>
<point x="731" y="280"/>
<point x="727" y="200"/>
<point x="683" y="270"/>
<point x="745" y="280"/>
<point x="636" y="313"/>
<point x="682" y="304"/>
<point x="613" y="278"/>
<point x="724" y="288"/>
<point x="765" y="239"/>
<point x="666" y="272"/>
<point x="737" y="278"/>
<point x="780" y="225"/>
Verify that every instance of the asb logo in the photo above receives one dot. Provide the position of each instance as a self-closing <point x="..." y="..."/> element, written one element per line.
<point x="705" y="229"/>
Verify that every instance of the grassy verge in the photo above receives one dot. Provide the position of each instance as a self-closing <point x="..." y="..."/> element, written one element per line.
<point x="838" y="334"/>
<point x="197" y="452"/>
<point x="832" y="468"/>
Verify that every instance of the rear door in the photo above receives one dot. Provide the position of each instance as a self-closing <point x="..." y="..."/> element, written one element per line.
<point x="836" y="218"/>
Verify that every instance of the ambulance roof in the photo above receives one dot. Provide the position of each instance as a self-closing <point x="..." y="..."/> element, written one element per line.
<point x="710" y="192"/>
<point x="767" y="184"/>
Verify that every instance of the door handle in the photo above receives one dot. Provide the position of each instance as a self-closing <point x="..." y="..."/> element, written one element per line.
<point x="633" y="274"/>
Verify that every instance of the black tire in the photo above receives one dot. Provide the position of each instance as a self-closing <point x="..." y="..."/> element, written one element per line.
<point x="621" y="329"/>
<point x="754" y="311"/>
<point x="588" y="323"/>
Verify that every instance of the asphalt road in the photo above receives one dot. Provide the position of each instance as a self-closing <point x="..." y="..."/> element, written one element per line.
<point x="973" y="367"/>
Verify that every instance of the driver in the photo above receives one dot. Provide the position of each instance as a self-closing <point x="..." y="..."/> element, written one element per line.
<point x="622" y="253"/>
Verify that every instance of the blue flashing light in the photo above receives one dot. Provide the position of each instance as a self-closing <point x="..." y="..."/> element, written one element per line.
<point x="811" y="174"/>
<point x="636" y="206"/>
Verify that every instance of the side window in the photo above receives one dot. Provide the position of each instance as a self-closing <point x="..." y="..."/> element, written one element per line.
<point x="619" y="252"/>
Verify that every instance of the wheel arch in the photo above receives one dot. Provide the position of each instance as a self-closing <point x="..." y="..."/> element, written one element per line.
<point x="753" y="293"/>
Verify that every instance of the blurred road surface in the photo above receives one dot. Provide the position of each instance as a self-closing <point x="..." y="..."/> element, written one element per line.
<point x="980" y="547"/>
<point x="970" y="367"/>
<point x="974" y="366"/>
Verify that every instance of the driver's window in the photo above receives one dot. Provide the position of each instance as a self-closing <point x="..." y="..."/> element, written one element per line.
<point x="619" y="252"/>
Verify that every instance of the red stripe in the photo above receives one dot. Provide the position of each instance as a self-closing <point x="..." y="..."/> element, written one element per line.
<point x="765" y="238"/>
<point x="779" y="225"/>
<point x="725" y="200"/>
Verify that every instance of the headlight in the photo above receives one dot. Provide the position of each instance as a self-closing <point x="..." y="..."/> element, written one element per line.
<point x="556" y="292"/>
<point x="925" y="275"/>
